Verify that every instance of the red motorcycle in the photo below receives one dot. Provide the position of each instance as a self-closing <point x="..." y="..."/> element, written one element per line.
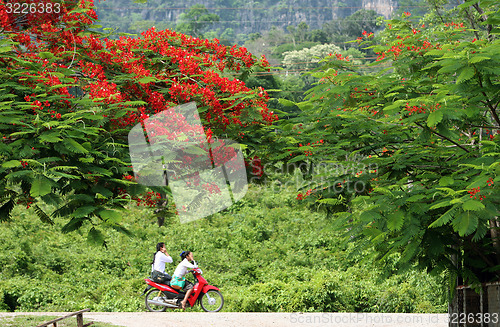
<point x="159" y="297"/>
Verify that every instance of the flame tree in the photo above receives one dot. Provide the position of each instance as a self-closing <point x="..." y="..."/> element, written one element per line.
<point x="412" y="148"/>
<point x="69" y="96"/>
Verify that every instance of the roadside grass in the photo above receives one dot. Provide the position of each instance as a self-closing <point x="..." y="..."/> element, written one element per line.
<point x="31" y="321"/>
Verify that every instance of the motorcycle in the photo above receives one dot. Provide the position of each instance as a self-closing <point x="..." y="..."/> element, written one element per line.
<point x="159" y="297"/>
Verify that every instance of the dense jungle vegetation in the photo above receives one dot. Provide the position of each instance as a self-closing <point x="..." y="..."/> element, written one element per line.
<point x="266" y="254"/>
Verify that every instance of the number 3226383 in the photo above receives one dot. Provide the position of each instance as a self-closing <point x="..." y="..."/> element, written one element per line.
<point x="32" y="8"/>
<point x="478" y="318"/>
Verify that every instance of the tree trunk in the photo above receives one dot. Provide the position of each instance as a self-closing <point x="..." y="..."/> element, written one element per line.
<point x="495" y="237"/>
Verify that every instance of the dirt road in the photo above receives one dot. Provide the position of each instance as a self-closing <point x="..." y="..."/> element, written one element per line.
<point x="235" y="319"/>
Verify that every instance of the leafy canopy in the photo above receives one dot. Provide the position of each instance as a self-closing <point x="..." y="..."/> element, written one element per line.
<point x="412" y="147"/>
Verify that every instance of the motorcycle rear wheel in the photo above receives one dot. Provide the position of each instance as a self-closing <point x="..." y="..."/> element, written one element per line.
<point x="150" y="296"/>
<point x="212" y="301"/>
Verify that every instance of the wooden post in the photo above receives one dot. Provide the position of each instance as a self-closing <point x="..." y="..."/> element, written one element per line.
<point x="79" y="320"/>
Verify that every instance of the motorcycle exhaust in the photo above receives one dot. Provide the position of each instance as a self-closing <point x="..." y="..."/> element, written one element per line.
<point x="164" y="304"/>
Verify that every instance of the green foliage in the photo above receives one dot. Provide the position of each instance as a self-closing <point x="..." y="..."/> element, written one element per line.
<point x="265" y="253"/>
<point x="46" y="158"/>
<point x="419" y="134"/>
<point x="350" y="27"/>
<point x="245" y="18"/>
<point x="195" y="21"/>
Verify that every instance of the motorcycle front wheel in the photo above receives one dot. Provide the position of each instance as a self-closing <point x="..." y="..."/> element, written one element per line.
<point x="153" y="295"/>
<point x="212" y="301"/>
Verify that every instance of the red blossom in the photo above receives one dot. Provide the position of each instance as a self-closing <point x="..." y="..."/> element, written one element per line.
<point x="113" y="73"/>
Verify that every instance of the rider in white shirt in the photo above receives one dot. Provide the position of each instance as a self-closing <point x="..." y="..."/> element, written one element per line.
<point x="182" y="268"/>
<point x="181" y="271"/>
<point x="161" y="257"/>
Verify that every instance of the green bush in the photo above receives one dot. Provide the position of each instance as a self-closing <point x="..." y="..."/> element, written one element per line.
<point x="266" y="254"/>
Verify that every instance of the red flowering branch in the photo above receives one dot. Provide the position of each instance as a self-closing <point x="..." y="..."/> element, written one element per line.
<point x="73" y="96"/>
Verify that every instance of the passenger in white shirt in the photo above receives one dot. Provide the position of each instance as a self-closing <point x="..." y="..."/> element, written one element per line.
<point x="181" y="271"/>
<point x="161" y="257"/>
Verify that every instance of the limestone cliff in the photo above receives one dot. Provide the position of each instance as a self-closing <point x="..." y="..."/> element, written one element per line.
<point x="249" y="16"/>
<point x="314" y="12"/>
<point x="383" y="7"/>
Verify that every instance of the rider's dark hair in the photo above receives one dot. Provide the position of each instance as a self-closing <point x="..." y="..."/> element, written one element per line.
<point x="158" y="248"/>
<point x="184" y="254"/>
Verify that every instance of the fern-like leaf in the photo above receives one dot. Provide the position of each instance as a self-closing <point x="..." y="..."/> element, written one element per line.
<point x="73" y="224"/>
<point x="42" y="215"/>
<point x="6" y="210"/>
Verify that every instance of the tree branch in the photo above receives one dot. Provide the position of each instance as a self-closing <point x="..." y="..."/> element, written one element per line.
<point x="489" y="27"/>
<point x="472" y="22"/>
<point x="437" y="12"/>
<point x="493" y="113"/>
<point x="496" y="105"/>
<point x="490" y="127"/>
<point x="487" y="100"/>
<point x="426" y="166"/>
<point x="485" y="259"/>
<point x="446" y="138"/>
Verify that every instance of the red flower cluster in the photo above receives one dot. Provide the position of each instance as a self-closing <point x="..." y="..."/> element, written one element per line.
<point x="28" y="200"/>
<point x="301" y="196"/>
<point x="415" y="109"/>
<point x="149" y="199"/>
<point x="454" y="25"/>
<point x="492" y="135"/>
<point x="365" y="34"/>
<point x="182" y="57"/>
<point x="340" y="57"/>
<point x="474" y="191"/>
<point x="191" y="57"/>
<point x="307" y="152"/>
<point x="420" y="46"/>
<point x="192" y="179"/>
<point x="225" y="155"/>
<point x="422" y="109"/>
<point x="128" y="177"/>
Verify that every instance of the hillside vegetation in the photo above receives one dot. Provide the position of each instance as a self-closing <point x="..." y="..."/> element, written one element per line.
<point x="239" y="17"/>
<point x="266" y="253"/>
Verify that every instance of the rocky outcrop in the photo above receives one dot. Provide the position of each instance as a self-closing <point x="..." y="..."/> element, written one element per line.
<point x="251" y="16"/>
<point x="383" y="7"/>
<point x="314" y="12"/>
